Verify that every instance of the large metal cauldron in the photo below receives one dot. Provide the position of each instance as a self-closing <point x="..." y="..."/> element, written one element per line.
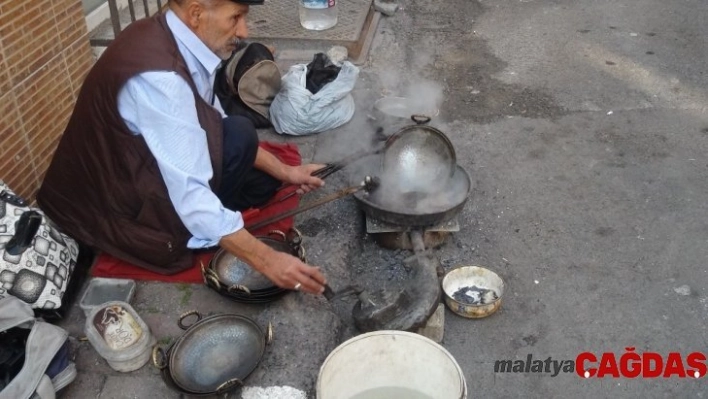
<point x="421" y="183"/>
<point x="393" y="203"/>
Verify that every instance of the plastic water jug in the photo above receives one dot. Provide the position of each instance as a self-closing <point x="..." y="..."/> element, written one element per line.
<point x="318" y="14"/>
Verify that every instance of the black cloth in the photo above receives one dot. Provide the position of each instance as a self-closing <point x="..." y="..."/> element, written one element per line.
<point x="243" y="186"/>
<point x="12" y="354"/>
<point x="320" y="72"/>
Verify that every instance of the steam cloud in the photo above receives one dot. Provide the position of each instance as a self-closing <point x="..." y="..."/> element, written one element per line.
<point x="424" y="97"/>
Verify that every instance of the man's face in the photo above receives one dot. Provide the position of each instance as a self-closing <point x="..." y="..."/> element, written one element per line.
<point x="221" y="25"/>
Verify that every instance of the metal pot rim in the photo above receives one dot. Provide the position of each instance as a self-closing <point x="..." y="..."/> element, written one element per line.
<point x="411" y="219"/>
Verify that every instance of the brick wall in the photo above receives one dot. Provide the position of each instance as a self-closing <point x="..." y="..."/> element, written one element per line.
<point x="44" y="56"/>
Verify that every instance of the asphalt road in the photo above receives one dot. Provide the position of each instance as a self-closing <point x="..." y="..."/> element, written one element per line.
<point x="585" y="128"/>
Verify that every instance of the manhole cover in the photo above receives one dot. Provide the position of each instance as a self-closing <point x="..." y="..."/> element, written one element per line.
<point x="279" y="19"/>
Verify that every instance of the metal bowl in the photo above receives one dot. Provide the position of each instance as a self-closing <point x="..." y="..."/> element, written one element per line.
<point x="214" y="355"/>
<point x="473" y="291"/>
<point x="232" y="271"/>
<point x="235" y="279"/>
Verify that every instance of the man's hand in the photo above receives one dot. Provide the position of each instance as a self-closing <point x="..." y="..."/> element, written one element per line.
<point x="298" y="175"/>
<point x="302" y="175"/>
<point x="284" y="270"/>
<point x="289" y="272"/>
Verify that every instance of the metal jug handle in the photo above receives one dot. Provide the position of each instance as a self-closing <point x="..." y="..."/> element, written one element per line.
<point x="301" y="254"/>
<point x="278" y="233"/>
<point x="238" y="288"/>
<point x="180" y="321"/>
<point x="420" y="119"/>
<point x="295" y="237"/>
<point x="204" y="272"/>
<point x="159" y="359"/>
<point x="269" y="333"/>
<point x="210" y="277"/>
<point x="230" y="384"/>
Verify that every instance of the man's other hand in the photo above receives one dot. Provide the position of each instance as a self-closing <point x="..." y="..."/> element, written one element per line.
<point x="302" y="175"/>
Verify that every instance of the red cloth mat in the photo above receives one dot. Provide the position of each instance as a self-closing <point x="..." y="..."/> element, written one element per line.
<point x="109" y="266"/>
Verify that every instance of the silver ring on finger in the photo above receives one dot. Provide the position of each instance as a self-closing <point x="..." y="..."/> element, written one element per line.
<point x="297" y="287"/>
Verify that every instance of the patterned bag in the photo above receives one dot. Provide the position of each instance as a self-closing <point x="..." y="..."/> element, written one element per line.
<point x="36" y="260"/>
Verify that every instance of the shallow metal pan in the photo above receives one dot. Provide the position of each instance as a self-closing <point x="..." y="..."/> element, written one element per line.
<point x="236" y="280"/>
<point x="214" y="355"/>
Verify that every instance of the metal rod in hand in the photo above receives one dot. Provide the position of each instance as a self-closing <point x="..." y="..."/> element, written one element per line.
<point x="334" y="167"/>
<point x="321" y="173"/>
<point x="327" y="170"/>
<point x="358" y="155"/>
<point x="368" y="184"/>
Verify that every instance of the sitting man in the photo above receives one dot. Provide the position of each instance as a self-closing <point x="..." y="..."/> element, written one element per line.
<point x="150" y="168"/>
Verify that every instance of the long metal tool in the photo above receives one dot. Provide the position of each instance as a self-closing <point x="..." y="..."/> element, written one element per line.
<point x="321" y="173"/>
<point x="368" y="184"/>
<point x="333" y="167"/>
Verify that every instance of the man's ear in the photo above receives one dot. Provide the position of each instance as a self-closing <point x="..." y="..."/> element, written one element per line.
<point x="193" y="13"/>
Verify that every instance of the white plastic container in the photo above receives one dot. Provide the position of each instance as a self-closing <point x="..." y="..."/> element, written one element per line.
<point x="119" y="335"/>
<point x="318" y="14"/>
<point x="395" y="364"/>
<point x="101" y="290"/>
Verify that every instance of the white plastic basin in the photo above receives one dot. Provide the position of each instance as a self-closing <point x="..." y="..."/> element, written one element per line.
<point x="384" y="361"/>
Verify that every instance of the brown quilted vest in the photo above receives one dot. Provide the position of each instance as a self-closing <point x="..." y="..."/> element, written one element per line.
<point x="103" y="186"/>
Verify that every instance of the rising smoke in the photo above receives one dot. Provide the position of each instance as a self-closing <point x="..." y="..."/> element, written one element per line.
<point x="422" y="96"/>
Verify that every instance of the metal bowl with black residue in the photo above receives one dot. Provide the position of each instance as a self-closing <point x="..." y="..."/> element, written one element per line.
<point x="473" y="291"/>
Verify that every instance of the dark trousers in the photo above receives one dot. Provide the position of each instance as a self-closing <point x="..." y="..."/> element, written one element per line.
<point x="243" y="186"/>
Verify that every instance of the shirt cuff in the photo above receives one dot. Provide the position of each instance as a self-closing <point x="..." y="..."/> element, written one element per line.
<point x="233" y="222"/>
